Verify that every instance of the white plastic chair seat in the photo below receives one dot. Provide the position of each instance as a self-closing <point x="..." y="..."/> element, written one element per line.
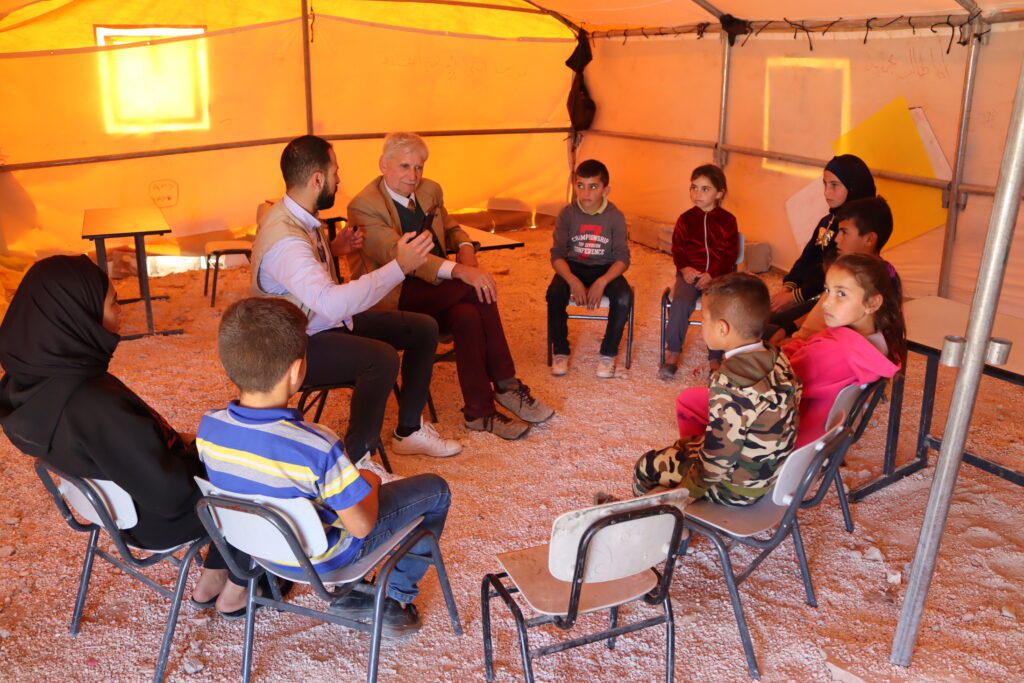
<point x="351" y="572"/>
<point x="744" y="521"/>
<point x="604" y="303"/>
<point x="528" y="570"/>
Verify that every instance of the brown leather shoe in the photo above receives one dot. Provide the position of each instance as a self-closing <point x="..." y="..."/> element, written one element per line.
<point x="499" y="425"/>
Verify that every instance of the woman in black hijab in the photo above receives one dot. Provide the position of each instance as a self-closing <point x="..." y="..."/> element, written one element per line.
<point x="845" y="178"/>
<point x="59" y="403"/>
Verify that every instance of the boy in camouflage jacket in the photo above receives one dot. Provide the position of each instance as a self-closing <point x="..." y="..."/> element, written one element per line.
<point x="752" y="406"/>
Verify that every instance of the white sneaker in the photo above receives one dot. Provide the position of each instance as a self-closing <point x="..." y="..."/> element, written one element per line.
<point x="559" y="365"/>
<point x="425" y="441"/>
<point x="606" y="367"/>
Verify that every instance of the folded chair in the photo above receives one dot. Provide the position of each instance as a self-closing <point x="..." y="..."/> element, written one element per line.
<point x="853" y="408"/>
<point x="775" y="515"/>
<point x="666" y="301"/>
<point x="108" y="507"/>
<point x="604" y="303"/>
<point x="598" y="558"/>
<point x="289" y="531"/>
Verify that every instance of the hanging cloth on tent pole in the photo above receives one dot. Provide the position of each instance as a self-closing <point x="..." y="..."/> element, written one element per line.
<point x="580" y="105"/>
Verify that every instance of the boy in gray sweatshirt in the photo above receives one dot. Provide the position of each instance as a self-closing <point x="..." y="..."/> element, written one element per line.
<point x="590" y="253"/>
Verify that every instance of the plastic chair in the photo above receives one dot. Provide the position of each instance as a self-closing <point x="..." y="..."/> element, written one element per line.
<point x="604" y="303"/>
<point x="775" y="515"/>
<point x="289" y="530"/>
<point x="666" y="300"/>
<point x="853" y="408"/>
<point x="598" y="558"/>
<point x="214" y="251"/>
<point x="108" y="507"/>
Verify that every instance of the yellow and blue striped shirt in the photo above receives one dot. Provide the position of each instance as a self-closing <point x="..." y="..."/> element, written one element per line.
<point x="272" y="452"/>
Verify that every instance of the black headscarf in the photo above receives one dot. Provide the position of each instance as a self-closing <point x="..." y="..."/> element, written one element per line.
<point x="854" y="174"/>
<point x="51" y="340"/>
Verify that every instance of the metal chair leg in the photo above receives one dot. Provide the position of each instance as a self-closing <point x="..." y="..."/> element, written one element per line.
<point x="446" y="588"/>
<point x="670" y="638"/>
<point x="737" y="606"/>
<point x="802" y="561"/>
<point x="844" y="504"/>
<point x="216" y="270"/>
<point x="250" y="622"/>
<point x="485" y="614"/>
<point x="613" y="621"/>
<point x="83" y="582"/>
<point x="172" y="617"/>
<point x="629" y="334"/>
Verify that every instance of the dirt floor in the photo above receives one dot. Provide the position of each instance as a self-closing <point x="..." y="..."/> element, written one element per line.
<point x="506" y="496"/>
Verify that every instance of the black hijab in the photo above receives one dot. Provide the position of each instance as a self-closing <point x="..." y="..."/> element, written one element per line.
<point x="51" y="340"/>
<point x="854" y="174"/>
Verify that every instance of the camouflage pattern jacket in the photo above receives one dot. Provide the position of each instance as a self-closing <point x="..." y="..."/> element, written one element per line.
<point x="752" y="419"/>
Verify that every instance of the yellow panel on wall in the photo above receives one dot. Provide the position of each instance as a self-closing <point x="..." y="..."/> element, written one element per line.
<point x="888" y="140"/>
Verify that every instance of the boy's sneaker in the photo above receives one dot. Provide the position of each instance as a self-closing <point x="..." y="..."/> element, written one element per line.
<point x="559" y="365"/>
<point x="606" y="367"/>
<point x="499" y="425"/>
<point x="425" y="441"/>
<point x="398" y="621"/>
<point x="522" y="404"/>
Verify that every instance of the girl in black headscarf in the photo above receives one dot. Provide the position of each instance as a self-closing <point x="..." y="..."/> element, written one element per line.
<point x="845" y="178"/>
<point x="59" y="403"/>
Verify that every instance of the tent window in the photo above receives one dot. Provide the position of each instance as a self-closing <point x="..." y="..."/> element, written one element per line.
<point x="153" y="87"/>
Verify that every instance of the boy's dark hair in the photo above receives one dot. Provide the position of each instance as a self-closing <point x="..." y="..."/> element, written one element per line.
<point x="742" y="300"/>
<point x="869" y="214"/>
<point x="258" y="339"/>
<point x="714" y="174"/>
<point x="592" y="168"/>
<point x="302" y="157"/>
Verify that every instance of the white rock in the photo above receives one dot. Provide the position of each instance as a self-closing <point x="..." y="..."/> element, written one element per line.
<point x="6" y="550"/>
<point x="192" y="666"/>
<point x="200" y="621"/>
<point x="968" y="617"/>
<point x="873" y="553"/>
<point x="1007" y="612"/>
<point x="856" y="554"/>
<point x="11" y="520"/>
<point x="893" y="576"/>
<point x="4" y="633"/>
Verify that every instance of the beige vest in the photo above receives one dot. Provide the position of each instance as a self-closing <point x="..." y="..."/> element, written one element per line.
<point x="276" y="224"/>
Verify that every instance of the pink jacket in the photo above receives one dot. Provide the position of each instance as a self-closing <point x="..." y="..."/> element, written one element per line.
<point x="830" y="360"/>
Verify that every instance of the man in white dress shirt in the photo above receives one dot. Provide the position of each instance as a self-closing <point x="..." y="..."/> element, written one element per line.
<point x="348" y="343"/>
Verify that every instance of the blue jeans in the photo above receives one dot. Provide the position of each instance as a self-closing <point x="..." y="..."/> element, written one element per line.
<point x="399" y="503"/>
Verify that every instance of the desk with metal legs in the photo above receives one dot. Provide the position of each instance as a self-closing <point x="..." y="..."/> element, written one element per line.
<point x="929" y="320"/>
<point x="136" y="222"/>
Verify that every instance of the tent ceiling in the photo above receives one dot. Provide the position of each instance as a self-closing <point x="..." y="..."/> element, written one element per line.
<point x="619" y="13"/>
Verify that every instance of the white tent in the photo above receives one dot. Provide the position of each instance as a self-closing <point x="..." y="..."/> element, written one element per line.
<point x="194" y="123"/>
<point x="186" y="106"/>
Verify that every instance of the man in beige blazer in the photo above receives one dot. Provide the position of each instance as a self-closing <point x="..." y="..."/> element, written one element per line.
<point x="460" y="295"/>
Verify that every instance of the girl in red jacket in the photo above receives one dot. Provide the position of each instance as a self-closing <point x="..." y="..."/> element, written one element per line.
<point x="705" y="244"/>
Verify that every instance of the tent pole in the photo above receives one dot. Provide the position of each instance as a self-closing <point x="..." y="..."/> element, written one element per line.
<point x="721" y="156"/>
<point x="954" y="200"/>
<point x="983" y="310"/>
<point x="306" y="67"/>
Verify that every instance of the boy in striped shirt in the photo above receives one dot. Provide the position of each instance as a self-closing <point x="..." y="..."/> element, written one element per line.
<point x="258" y="445"/>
